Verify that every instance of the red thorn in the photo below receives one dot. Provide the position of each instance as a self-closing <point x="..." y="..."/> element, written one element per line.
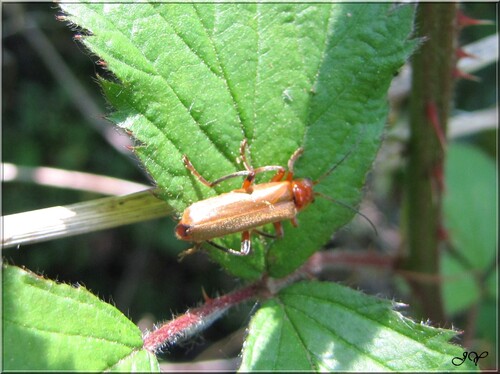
<point x="442" y="233"/>
<point x="102" y="63"/>
<point x="61" y="18"/>
<point x="78" y="37"/>
<point x="432" y="115"/>
<point x="205" y="295"/>
<point x="464" y="21"/>
<point x="130" y="147"/>
<point x="459" y="74"/>
<point x="460" y="53"/>
<point x="438" y="177"/>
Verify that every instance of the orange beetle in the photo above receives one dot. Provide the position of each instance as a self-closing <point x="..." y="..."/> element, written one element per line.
<point x="246" y="209"/>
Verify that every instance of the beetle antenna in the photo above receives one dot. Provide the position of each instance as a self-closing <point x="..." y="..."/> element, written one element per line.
<point x="329" y="171"/>
<point x="294" y="158"/>
<point x="348" y="207"/>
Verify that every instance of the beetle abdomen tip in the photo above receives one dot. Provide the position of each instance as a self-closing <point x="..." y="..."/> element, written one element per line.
<point x="182" y="231"/>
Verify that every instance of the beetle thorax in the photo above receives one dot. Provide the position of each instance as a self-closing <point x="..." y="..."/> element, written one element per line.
<point x="303" y="193"/>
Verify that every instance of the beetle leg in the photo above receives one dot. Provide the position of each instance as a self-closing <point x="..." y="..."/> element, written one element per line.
<point x="243" y="156"/>
<point x="293" y="158"/>
<point x="247" y="183"/>
<point x="250" y="178"/>
<point x="294" y="222"/>
<point x="278" y="176"/>
<point x="190" y="167"/>
<point x="280" y="172"/>
<point x="265" y="234"/>
<point x="279" y="229"/>
<point x="246" y="243"/>
<point x="291" y="163"/>
<point x="189" y="251"/>
<point x="193" y="171"/>
<point x="249" y="174"/>
<point x="245" y="248"/>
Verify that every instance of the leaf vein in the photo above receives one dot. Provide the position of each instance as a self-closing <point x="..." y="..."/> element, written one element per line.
<point x="163" y="78"/>
<point x="337" y="336"/>
<point x="299" y="337"/>
<point x="226" y="81"/>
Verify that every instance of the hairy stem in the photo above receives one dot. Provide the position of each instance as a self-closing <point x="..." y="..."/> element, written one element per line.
<point x="195" y="320"/>
<point x="433" y="77"/>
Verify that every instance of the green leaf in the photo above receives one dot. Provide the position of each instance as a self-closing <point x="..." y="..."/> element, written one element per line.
<point x="196" y="79"/>
<point x="460" y="288"/>
<point x="487" y="322"/>
<point x="364" y="46"/>
<point x="50" y="326"/>
<point x="470" y="217"/>
<point x="327" y="327"/>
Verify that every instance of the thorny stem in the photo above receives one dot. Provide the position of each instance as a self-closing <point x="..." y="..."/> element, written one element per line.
<point x="197" y="319"/>
<point x="433" y="78"/>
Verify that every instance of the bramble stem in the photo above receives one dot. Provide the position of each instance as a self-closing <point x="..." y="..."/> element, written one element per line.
<point x="433" y="80"/>
<point x="197" y="319"/>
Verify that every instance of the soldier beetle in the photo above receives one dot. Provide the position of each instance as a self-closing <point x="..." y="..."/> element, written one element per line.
<point x="246" y="209"/>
